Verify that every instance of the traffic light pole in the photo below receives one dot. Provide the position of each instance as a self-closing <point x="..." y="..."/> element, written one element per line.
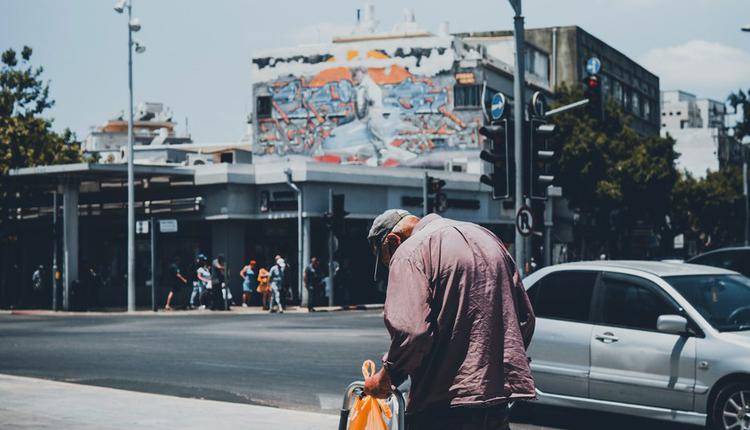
<point x="518" y="117"/>
<point x="331" y="251"/>
<point x="425" y="184"/>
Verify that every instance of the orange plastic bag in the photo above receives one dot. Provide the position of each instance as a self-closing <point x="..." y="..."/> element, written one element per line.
<point x="369" y="413"/>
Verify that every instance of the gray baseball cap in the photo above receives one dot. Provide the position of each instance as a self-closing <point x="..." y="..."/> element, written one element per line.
<point x="381" y="226"/>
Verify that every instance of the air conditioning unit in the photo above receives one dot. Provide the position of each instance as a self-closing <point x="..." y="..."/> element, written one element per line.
<point x="457" y="165"/>
<point x="199" y="159"/>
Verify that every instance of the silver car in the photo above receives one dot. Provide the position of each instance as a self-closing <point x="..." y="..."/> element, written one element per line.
<point x="659" y="340"/>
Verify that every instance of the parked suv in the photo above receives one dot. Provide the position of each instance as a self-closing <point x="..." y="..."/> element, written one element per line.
<point x="735" y="258"/>
<point x="661" y="340"/>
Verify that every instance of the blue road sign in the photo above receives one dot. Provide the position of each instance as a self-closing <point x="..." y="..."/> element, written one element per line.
<point x="593" y="65"/>
<point x="498" y="106"/>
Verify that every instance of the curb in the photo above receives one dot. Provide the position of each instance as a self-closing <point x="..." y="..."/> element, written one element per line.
<point x="234" y="311"/>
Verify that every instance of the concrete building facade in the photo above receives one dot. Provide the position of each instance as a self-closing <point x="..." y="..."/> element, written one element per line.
<point x="699" y="129"/>
<point x="631" y="85"/>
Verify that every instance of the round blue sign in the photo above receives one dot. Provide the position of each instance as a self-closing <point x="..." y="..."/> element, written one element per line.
<point x="498" y="106"/>
<point x="593" y="65"/>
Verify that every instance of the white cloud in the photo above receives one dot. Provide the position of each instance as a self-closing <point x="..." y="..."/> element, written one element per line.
<point x="707" y="69"/>
<point x="322" y="32"/>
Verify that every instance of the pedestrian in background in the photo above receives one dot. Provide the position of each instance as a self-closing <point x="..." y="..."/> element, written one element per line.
<point x="219" y="301"/>
<point x="312" y="278"/>
<point x="277" y="276"/>
<point x="459" y="320"/>
<point x="175" y="282"/>
<point x="264" y="288"/>
<point x="199" y="285"/>
<point x="249" y="281"/>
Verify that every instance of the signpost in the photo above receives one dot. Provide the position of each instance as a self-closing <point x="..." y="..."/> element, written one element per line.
<point x="593" y="66"/>
<point x="168" y="225"/>
<point x="525" y="221"/>
<point x="498" y="106"/>
<point x="141" y="227"/>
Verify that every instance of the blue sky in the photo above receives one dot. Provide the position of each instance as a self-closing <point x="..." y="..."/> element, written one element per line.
<point x="198" y="52"/>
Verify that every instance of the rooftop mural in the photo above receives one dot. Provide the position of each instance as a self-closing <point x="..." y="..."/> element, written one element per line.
<point x="384" y="105"/>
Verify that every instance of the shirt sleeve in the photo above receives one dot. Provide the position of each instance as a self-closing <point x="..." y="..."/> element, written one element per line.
<point x="408" y="319"/>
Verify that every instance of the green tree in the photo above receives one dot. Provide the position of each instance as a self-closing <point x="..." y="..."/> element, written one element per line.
<point x="27" y="138"/>
<point x="613" y="176"/>
<point x="741" y="100"/>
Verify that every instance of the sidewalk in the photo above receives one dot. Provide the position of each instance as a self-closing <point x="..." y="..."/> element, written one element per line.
<point x="235" y="310"/>
<point x="30" y="403"/>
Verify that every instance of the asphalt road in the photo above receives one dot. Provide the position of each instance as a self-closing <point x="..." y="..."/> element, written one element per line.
<point x="296" y="361"/>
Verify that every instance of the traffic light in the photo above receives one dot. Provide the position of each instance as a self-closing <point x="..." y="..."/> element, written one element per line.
<point x="335" y="218"/>
<point x="593" y="90"/>
<point x="542" y="154"/>
<point x="435" y="186"/>
<point x="499" y="155"/>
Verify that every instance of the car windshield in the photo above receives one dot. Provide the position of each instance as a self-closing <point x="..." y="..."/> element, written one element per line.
<point x="723" y="300"/>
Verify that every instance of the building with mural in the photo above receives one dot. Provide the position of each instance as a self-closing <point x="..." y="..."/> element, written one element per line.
<point x="405" y="98"/>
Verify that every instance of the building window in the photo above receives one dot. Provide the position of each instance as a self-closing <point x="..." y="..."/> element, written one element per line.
<point x="647" y="109"/>
<point x="618" y="93"/>
<point x="635" y="104"/>
<point x="263" y="106"/>
<point x="467" y="96"/>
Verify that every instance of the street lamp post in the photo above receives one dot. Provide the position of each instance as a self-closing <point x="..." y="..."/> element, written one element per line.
<point x="300" y="238"/>
<point x="133" y="25"/>
<point x="518" y="117"/>
<point x="745" y="144"/>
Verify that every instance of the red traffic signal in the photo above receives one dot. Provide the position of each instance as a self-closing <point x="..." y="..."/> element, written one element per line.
<point x="592" y="82"/>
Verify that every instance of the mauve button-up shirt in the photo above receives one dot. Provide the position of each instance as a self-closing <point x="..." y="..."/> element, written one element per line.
<point x="459" y="318"/>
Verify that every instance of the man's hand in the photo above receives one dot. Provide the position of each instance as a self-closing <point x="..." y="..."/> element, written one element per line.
<point x="378" y="385"/>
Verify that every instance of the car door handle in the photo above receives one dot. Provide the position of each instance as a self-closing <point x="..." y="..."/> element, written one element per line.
<point x="607" y="337"/>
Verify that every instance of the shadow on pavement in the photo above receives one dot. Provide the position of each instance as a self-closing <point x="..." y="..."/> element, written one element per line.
<point x="541" y="417"/>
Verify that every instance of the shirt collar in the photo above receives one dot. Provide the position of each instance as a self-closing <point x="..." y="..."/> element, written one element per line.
<point x="424" y="221"/>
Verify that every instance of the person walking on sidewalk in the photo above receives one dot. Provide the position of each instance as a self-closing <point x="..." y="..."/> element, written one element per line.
<point x="176" y="281"/>
<point x="264" y="289"/>
<point x="312" y="278"/>
<point x="219" y="301"/>
<point x="276" y="277"/>
<point x="249" y="281"/>
<point x="459" y="321"/>
<point x="203" y="278"/>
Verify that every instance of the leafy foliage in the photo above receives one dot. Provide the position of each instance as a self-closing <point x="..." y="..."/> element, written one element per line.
<point x="26" y="138"/>
<point x="613" y="176"/>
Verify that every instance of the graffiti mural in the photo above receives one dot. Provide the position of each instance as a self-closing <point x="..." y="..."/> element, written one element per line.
<point x="374" y="112"/>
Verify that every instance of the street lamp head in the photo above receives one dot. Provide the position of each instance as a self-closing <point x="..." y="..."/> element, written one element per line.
<point x="135" y="24"/>
<point x="139" y="47"/>
<point x="120" y="6"/>
<point x="746" y="28"/>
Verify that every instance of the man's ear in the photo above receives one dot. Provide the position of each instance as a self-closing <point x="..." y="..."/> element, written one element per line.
<point x="392" y="241"/>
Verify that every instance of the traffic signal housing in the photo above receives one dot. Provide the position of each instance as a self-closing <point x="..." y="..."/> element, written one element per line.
<point x="435" y="186"/>
<point x="335" y="218"/>
<point x="542" y="155"/>
<point x="499" y="155"/>
<point x="593" y="91"/>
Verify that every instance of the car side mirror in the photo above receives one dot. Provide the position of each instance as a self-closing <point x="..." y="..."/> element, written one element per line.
<point x="675" y="324"/>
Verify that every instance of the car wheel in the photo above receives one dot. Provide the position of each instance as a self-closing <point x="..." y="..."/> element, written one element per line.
<point x="731" y="409"/>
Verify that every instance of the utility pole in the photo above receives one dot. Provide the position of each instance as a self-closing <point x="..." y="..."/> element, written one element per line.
<point x="745" y="193"/>
<point x="133" y="25"/>
<point x="153" y="264"/>
<point x="425" y="184"/>
<point x="518" y="118"/>
<point x="55" y="285"/>
<point x="300" y="245"/>
<point x="331" y="269"/>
